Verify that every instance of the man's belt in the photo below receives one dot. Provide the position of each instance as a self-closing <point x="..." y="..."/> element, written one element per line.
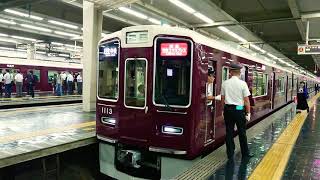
<point x="233" y="107"/>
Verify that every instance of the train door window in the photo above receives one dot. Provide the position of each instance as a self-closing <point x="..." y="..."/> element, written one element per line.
<point x="289" y="84"/>
<point x="51" y="76"/>
<point x="259" y="84"/>
<point x="280" y="85"/>
<point x="172" y="80"/>
<point x="225" y="73"/>
<point x="135" y="83"/>
<point x="108" y="75"/>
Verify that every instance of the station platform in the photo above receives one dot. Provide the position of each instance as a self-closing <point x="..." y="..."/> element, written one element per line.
<point x="38" y="100"/>
<point x="285" y="146"/>
<point x="35" y="132"/>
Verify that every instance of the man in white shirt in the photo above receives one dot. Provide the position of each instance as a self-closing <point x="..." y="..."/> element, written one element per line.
<point x="79" y="83"/>
<point x="19" y="83"/>
<point x="70" y="83"/>
<point x="63" y="76"/>
<point x="1" y="83"/>
<point x="235" y="100"/>
<point x="7" y="83"/>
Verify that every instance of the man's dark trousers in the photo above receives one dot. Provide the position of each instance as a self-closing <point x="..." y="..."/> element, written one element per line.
<point x="232" y="117"/>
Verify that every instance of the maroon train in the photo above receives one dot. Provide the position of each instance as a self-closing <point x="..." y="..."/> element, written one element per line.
<point x="152" y="103"/>
<point x="44" y="70"/>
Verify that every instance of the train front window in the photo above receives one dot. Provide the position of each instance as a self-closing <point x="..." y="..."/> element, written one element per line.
<point x="172" y="72"/>
<point x="108" y="70"/>
<point x="135" y="83"/>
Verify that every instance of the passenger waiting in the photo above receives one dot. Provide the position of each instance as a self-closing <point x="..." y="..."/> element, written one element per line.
<point x="302" y="97"/>
<point x="58" y="85"/>
<point x="79" y="83"/>
<point x="7" y="84"/>
<point x="64" y="82"/>
<point x="70" y="83"/>
<point x="19" y="83"/>
<point x="1" y="83"/>
<point x="31" y="83"/>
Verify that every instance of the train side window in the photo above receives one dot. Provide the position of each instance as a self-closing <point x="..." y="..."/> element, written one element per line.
<point x="51" y="76"/>
<point x="35" y="72"/>
<point x="225" y="73"/>
<point x="290" y="84"/>
<point x="135" y="83"/>
<point x="259" y="84"/>
<point x="280" y="87"/>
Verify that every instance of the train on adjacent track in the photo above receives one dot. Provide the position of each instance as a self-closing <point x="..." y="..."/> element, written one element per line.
<point x="44" y="70"/>
<point x="152" y="108"/>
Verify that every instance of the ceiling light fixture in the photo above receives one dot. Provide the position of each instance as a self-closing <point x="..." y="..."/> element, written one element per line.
<point x="272" y="56"/>
<point x="236" y="36"/>
<point x="7" y="21"/>
<point x="57" y="43"/>
<point x="8" y="40"/>
<point x="65" y="34"/>
<point x="135" y="13"/>
<point x="183" y="6"/>
<point x="63" y="24"/>
<point x="24" y="38"/>
<point x="41" y="52"/>
<point x="203" y="18"/>
<point x="154" y="21"/>
<point x="257" y="48"/>
<point x="64" y="55"/>
<point x="6" y="48"/>
<point x="23" y="14"/>
<point x="36" y="28"/>
<point x="4" y="35"/>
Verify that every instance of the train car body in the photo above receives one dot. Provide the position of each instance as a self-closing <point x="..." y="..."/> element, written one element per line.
<point x="151" y="99"/>
<point x="44" y="70"/>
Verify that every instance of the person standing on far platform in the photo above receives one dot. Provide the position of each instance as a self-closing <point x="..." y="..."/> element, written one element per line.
<point x="70" y="83"/>
<point x="63" y="76"/>
<point x="19" y="83"/>
<point x="1" y="83"/>
<point x="235" y="102"/>
<point x="31" y="83"/>
<point x="79" y="83"/>
<point x="302" y="97"/>
<point x="58" y="85"/>
<point x="7" y="83"/>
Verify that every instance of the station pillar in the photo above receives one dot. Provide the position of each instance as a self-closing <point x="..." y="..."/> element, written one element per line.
<point x="31" y="51"/>
<point x="92" y="28"/>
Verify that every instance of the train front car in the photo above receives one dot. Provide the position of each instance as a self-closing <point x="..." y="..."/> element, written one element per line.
<point x="144" y="104"/>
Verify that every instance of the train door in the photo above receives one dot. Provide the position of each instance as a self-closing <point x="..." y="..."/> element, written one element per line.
<point x="134" y="116"/>
<point x="210" y="106"/>
<point x="273" y="90"/>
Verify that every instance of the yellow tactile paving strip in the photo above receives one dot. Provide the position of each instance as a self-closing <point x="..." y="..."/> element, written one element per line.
<point x="27" y="135"/>
<point x="274" y="162"/>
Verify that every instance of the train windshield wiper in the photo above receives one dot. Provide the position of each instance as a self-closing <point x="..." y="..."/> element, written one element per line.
<point x="167" y="105"/>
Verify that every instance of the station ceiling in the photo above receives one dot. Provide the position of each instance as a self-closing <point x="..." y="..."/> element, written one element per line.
<point x="274" y="26"/>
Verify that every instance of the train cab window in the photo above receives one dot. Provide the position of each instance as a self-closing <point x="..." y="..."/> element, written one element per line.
<point x="135" y="82"/>
<point x="225" y="73"/>
<point x="259" y="84"/>
<point x="108" y="74"/>
<point x="172" y="72"/>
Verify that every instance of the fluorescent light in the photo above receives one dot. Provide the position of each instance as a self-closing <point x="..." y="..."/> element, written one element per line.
<point x="6" y="48"/>
<point x="183" y="6"/>
<point x="272" y="56"/>
<point x="41" y="52"/>
<point x="22" y="50"/>
<point x="154" y="21"/>
<point x="3" y="35"/>
<point x="57" y="43"/>
<point x="65" y="34"/>
<point x="236" y="36"/>
<point x="7" y="21"/>
<point x="63" y="24"/>
<point x="135" y="13"/>
<point x="257" y="48"/>
<point x="36" y="28"/>
<point x="166" y="25"/>
<point x="40" y="45"/>
<point x="8" y="40"/>
<point x="24" y="38"/>
<point x="72" y="46"/>
<point x="203" y="18"/>
<point x="64" y="55"/>
<point x="23" y="14"/>
<point x="73" y="50"/>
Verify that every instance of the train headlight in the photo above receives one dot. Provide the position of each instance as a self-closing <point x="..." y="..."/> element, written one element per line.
<point x="172" y="130"/>
<point x="108" y="120"/>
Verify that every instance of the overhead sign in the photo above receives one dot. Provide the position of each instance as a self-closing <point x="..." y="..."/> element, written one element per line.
<point x="308" y="49"/>
<point x="173" y="49"/>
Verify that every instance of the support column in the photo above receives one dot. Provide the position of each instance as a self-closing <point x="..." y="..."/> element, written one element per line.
<point x="31" y="51"/>
<point x="92" y="28"/>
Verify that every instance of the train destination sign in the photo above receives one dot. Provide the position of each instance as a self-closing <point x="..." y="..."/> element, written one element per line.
<point x="110" y="51"/>
<point x="308" y="49"/>
<point x="173" y="49"/>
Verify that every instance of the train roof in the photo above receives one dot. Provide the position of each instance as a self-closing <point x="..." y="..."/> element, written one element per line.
<point x="232" y="48"/>
<point x="20" y="61"/>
